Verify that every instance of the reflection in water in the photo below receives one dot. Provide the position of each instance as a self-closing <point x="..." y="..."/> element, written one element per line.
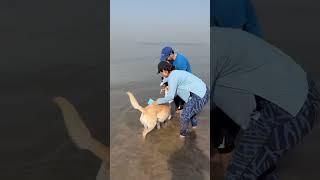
<point x="81" y="136"/>
<point x="188" y="161"/>
<point x="163" y="154"/>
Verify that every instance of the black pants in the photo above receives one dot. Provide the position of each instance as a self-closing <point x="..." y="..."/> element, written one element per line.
<point x="179" y="103"/>
<point x="223" y="127"/>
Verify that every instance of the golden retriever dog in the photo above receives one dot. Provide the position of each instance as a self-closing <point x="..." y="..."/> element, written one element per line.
<point x="151" y="115"/>
<point x="81" y="135"/>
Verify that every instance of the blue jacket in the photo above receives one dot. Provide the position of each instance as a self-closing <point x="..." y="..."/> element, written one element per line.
<point x="182" y="63"/>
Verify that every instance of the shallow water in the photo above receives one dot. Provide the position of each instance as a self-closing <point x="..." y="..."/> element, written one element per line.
<point x="162" y="155"/>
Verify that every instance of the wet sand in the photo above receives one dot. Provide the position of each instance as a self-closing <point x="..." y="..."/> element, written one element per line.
<point x="51" y="49"/>
<point x="35" y="144"/>
<point x="162" y="155"/>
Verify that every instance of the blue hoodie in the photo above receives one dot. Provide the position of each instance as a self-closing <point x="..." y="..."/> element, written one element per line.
<point x="181" y="63"/>
<point x="235" y="14"/>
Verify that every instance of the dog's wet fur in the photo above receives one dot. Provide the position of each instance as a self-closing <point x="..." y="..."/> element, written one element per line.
<point x="151" y="115"/>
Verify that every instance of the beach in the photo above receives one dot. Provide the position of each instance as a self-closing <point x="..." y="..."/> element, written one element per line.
<point x="163" y="154"/>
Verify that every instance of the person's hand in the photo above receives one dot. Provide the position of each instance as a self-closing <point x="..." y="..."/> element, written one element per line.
<point x="162" y="91"/>
<point x="155" y="102"/>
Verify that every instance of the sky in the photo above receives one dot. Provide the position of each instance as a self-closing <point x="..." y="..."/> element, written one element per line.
<point x="159" y="21"/>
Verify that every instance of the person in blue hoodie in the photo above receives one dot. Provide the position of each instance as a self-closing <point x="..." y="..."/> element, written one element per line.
<point x="177" y="59"/>
<point x="190" y="88"/>
<point x="180" y="62"/>
<point x="239" y="14"/>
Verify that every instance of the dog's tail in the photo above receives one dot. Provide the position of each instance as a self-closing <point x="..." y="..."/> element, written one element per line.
<point x="78" y="131"/>
<point x="134" y="102"/>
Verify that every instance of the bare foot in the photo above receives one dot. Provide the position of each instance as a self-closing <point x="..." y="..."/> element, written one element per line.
<point x="182" y="137"/>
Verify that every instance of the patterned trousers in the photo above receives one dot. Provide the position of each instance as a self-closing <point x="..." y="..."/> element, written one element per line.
<point x="191" y="109"/>
<point x="269" y="137"/>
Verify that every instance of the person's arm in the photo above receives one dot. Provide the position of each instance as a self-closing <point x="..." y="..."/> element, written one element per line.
<point x="252" y="25"/>
<point x="172" y="91"/>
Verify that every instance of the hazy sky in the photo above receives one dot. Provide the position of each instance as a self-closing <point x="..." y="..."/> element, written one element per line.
<point x="163" y="21"/>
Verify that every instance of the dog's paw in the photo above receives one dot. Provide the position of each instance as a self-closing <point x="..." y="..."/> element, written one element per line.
<point x="144" y="134"/>
<point x="144" y="137"/>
